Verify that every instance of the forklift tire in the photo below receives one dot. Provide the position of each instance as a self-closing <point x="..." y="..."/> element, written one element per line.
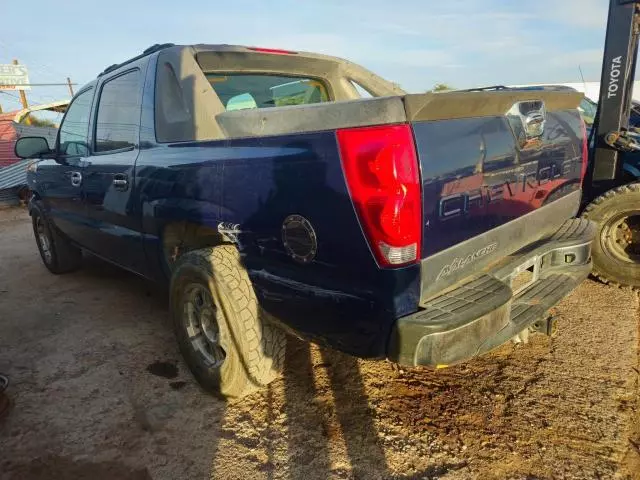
<point x="229" y="344"/>
<point x="56" y="251"/>
<point x="616" y="248"/>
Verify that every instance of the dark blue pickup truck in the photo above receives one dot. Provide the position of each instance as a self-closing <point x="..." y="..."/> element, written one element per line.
<point x="283" y="191"/>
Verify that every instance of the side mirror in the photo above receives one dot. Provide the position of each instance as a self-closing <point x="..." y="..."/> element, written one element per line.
<point x="31" y="147"/>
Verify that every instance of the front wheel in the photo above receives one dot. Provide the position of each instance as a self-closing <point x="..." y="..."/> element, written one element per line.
<point x="57" y="253"/>
<point x="616" y="248"/>
<point x="228" y="344"/>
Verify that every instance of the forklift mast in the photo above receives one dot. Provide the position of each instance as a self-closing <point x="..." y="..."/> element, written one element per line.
<point x="616" y="88"/>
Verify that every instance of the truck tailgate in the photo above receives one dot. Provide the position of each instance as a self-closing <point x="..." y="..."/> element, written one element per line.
<point x="499" y="170"/>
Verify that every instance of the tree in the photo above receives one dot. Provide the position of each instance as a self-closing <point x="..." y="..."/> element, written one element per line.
<point x="440" y="87"/>
<point x="35" y="121"/>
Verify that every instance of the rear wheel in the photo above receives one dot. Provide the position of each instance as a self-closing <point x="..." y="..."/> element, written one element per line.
<point x="222" y="332"/>
<point x="57" y="253"/>
<point x="616" y="248"/>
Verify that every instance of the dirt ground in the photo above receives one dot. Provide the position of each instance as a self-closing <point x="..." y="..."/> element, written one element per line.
<point x="100" y="392"/>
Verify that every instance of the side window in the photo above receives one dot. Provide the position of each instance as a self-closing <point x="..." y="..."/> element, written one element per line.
<point x="118" y="113"/>
<point x="75" y="126"/>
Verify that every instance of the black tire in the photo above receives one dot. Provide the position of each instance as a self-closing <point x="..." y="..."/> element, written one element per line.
<point x="243" y="351"/>
<point x="616" y="248"/>
<point x="57" y="253"/>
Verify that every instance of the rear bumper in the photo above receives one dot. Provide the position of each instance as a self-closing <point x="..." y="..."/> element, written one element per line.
<point x="483" y="312"/>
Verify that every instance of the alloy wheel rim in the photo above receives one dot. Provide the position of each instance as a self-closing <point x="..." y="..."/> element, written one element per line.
<point x="43" y="240"/>
<point x="202" y="320"/>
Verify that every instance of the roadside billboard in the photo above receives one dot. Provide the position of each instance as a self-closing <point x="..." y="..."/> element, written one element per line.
<point x="14" y="77"/>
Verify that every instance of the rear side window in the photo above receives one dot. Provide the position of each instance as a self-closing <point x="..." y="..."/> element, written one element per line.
<point x="241" y="91"/>
<point x="118" y="113"/>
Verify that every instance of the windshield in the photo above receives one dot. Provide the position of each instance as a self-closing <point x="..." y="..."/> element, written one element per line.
<point x="241" y="91"/>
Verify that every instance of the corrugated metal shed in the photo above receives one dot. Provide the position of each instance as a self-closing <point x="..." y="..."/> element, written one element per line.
<point x="14" y="175"/>
<point x="60" y="106"/>
<point x="11" y="128"/>
<point x="9" y="198"/>
<point x="8" y="136"/>
<point x="50" y="133"/>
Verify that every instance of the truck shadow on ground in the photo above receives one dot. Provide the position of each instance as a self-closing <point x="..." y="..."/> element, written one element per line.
<point x="343" y="397"/>
<point x="329" y="416"/>
<point x="318" y="412"/>
<point x="316" y="422"/>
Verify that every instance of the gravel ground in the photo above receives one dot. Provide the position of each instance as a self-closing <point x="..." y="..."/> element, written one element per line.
<point x="100" y="392"/>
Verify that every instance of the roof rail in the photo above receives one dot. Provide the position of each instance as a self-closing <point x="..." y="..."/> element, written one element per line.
<point x="152" y="49"/>
<point x="484" y="89"/>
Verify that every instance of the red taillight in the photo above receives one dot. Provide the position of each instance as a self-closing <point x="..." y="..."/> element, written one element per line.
<point x="274" y="51"/>
<point x="585" y="149"/>
<point x="381" y="168"/>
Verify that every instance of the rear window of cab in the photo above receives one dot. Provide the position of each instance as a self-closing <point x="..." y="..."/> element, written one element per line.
<point x="239" y="91"/>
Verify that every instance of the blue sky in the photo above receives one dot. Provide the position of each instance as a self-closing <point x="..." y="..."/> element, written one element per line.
<point x="416" y="43"/>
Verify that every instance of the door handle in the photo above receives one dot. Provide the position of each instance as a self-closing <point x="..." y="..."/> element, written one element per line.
<point x="76" y="179"/>
<point x="120" y="182"/>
